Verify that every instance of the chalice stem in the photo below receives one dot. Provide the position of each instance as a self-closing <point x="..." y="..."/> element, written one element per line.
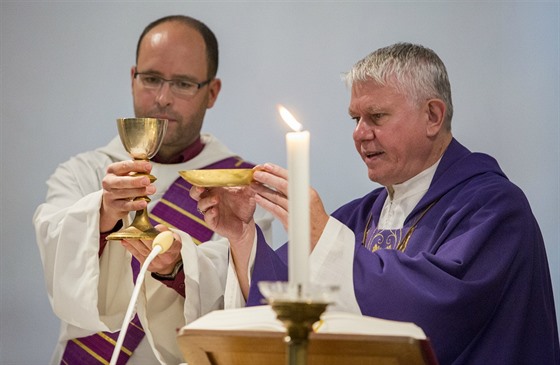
<point x="141" y="219"/>
<point x="140" y="228"/>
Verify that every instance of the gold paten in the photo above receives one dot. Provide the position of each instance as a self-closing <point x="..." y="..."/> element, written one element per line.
<point x="218" y="177"/>
<point x="142" y="138"/>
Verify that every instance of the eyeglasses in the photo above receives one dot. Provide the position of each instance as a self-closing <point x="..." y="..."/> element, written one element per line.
<point x="178" y="86"/>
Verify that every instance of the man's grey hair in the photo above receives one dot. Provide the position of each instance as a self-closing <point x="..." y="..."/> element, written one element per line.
<point x="416" y="71"/>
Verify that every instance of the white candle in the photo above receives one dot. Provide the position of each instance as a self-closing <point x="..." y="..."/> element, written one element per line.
<point x="297" y="144"/>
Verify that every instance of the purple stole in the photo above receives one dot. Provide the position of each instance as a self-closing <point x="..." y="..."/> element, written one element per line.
<point x="176" y="209"/>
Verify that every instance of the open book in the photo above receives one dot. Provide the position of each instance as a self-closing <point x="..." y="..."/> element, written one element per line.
<point x="263" y="318"/>
<point x="253" y="335"/>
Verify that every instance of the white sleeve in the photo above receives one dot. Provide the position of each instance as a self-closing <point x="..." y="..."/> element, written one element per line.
<point x="205" y="268"/>
<point x="331" y="263"/>
<point x="233" y="296"/>
<point x="67" y="232"/>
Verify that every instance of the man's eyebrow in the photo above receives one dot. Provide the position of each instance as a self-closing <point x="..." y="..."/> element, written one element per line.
<point x="369" y="110"/>
<point x="185" y="78"/>
<point x="373" y="109"/>
<point x="173" y="77"/>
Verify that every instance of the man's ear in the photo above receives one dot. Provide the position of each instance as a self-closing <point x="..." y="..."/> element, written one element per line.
<point x="132" y="72"/>
<point x="214" y="89"/>
<point x="435" y="109"/>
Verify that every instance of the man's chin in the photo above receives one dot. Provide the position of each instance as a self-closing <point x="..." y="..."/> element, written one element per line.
<point x="375" y="177"/>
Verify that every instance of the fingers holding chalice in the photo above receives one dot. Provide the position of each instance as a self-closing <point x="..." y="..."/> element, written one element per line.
<point x="142" y="138"/>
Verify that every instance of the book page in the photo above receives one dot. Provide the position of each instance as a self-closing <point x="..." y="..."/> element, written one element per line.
<point x="263" y="318"/>
<point x="351" y="323"/>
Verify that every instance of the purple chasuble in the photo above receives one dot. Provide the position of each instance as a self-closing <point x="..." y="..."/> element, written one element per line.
<point x="176" y="209"/>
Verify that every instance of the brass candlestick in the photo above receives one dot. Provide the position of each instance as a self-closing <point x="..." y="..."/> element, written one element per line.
<point x="298" y="318"/>
<point x="298" y="312"/>
<point x="142" y="138"/>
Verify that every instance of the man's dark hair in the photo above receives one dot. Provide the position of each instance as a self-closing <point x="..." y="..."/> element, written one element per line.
<point x="208" y="36"/>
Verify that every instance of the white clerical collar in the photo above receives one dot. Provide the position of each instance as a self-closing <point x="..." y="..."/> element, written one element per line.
<point x="414" y="185"/>
<point x="404" y="197"/>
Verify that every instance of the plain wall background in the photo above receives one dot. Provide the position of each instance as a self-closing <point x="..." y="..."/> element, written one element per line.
<point x="65" y="79"/>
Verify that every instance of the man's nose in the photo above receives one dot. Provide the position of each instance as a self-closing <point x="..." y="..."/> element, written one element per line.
<point x="362" y="131"/>
<point x="164" y="94"/>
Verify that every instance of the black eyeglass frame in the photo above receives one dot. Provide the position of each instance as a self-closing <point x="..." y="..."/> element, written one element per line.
<point x="198" y="85"/>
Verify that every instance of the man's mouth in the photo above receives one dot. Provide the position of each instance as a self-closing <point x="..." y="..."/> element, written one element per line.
<point x="372" y="154"/>
<point x="156" y="114"/>
<point x="165" y="117"/>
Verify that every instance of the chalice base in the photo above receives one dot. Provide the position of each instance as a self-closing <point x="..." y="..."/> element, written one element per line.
<point x="133" y="233"/>
<point x="140" y="228"/>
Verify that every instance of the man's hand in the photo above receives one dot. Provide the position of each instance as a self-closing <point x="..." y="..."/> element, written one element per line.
<point x="120" y="187"/>
<point x="164" y="263"/>
<point x="271" y="188"/>
<point x="227" y="211"/>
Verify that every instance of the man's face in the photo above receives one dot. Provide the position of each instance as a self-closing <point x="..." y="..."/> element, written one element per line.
<point x="174" y="51"/>
<point x="391" y="133"/>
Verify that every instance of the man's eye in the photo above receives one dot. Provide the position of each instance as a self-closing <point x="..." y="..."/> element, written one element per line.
<point x="184" y="85"/>
<point x="356" y="119"/>
<point x="152" y="80"/>
<point x="376" y="118"/>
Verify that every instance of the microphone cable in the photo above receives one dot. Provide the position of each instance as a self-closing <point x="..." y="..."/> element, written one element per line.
<point x="161" y="243"/>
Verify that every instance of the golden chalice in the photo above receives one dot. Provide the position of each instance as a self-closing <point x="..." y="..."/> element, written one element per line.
<point x="142" y="138"/>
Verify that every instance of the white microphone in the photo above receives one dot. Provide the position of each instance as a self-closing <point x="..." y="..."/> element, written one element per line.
<point x="164" y="240"/>
<point x="160" y="244"/>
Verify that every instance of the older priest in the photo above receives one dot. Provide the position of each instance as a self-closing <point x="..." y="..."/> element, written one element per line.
<point x="448" y="243"/>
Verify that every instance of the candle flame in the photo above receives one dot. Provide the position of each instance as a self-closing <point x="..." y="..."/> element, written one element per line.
<point x="289" y="119"/>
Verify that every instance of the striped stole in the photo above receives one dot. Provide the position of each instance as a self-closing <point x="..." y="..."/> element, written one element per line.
<point x="176" y="209"/>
